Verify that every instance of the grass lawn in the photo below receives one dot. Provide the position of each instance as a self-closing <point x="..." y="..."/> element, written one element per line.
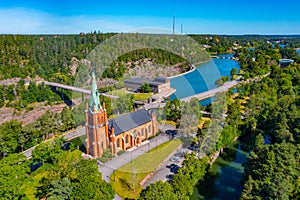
<point x="142" y="96"/>
<point x="125" y="180"/>
<point x="172" y="123"/>
<point x="35" y="177"/>
<point x="121" y="92"/>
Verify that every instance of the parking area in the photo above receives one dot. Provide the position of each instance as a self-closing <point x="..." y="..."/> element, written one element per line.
<point x="171" y="167"/>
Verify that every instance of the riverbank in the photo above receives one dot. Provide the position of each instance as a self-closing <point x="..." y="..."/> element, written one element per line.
<point x="202" y="78"/>
<point x="193" y="68"/>
<point x="182" y="74"/>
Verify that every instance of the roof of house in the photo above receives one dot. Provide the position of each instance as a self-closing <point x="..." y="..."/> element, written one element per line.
<point x="160" y="80"/>
<point x="129" y="121"/>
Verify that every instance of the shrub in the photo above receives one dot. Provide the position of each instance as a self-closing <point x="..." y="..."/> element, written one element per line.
<point x="102" y="159"/>
<point x="121" y="152"/>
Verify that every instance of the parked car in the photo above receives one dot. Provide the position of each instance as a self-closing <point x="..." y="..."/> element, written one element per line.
<point x="179" y="154"/>
<point x="175" y="159"/>
<point x="171" y="132"/>
<point x="193" y="148"/>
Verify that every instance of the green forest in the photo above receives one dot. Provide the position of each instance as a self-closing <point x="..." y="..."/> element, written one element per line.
<point x="20" y="96"/>
<point x="266" y="107"/>
<point x="63" y="174"/>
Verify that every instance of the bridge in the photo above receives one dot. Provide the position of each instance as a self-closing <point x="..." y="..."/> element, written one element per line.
<point x="75" y="89"/>
<point x="68" y="136"/>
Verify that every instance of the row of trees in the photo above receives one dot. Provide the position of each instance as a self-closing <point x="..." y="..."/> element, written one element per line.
<point x="19" y="96"/>
<point x="64" y="174"/>
<point x="16" y="138"/>
<point x="272" y="170"/>
<point x="226" y="43"/>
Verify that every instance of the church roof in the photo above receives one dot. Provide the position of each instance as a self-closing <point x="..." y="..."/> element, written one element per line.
<point x="94" y="94"/>
<point x="129" y="121"/>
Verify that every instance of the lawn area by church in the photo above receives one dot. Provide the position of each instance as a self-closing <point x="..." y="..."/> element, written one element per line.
<point x="126" y="180"/>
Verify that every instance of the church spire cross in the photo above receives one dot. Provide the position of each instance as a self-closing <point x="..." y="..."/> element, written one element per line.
<point x="94" y="101"/>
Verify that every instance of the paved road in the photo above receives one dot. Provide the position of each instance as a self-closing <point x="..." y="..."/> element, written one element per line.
<point x="108" y="168"/>
<point x="75" y="133"/>
<point x="68" y="136"/>
<point x="162" y="173"/>
<point x="213" y="92"/>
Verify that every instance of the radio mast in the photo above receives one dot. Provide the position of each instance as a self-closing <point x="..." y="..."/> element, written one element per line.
<point x="174" y="24"/>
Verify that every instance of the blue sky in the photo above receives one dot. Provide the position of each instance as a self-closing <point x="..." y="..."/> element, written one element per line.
<point x="213" y="17"/>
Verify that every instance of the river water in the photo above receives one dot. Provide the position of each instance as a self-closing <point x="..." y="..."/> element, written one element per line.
<point x="203" y="78"/>
<point x="223" y="180"/>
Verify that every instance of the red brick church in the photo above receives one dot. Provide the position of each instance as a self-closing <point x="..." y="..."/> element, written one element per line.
<point x="116" y="134"/>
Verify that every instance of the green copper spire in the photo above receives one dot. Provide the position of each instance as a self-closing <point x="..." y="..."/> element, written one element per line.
<point x="94" y="94"/>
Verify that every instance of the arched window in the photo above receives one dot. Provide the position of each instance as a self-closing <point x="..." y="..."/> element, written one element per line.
<point x="126" y="139"/>
<point x="118" y="143"/>
<point x="134" y="134"/>
<point x="102" y="146"/>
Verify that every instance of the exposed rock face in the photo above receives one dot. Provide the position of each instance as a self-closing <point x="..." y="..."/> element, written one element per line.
<point x="106" y="82"/>
<point x="147" y="68"/>
<point x="75" y="63"/>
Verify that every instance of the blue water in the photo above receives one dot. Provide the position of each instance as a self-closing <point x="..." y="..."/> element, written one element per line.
<point x="226" y="55"/>
<point x="206" y="102"/>
<point x="226" y="174"/>
<point x="203" y="78"/>
<point x="280" y="45"/>
<point x="298" y="51"/>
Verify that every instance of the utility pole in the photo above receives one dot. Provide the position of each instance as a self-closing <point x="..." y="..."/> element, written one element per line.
<point x="181" y="29"/>
<point x="174" y="24"/>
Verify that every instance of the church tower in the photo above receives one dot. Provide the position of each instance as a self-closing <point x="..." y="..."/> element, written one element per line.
<point x="96" y="123"/>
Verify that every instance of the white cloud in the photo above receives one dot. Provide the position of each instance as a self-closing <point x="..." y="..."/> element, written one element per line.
<point x="26" y="21"/>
